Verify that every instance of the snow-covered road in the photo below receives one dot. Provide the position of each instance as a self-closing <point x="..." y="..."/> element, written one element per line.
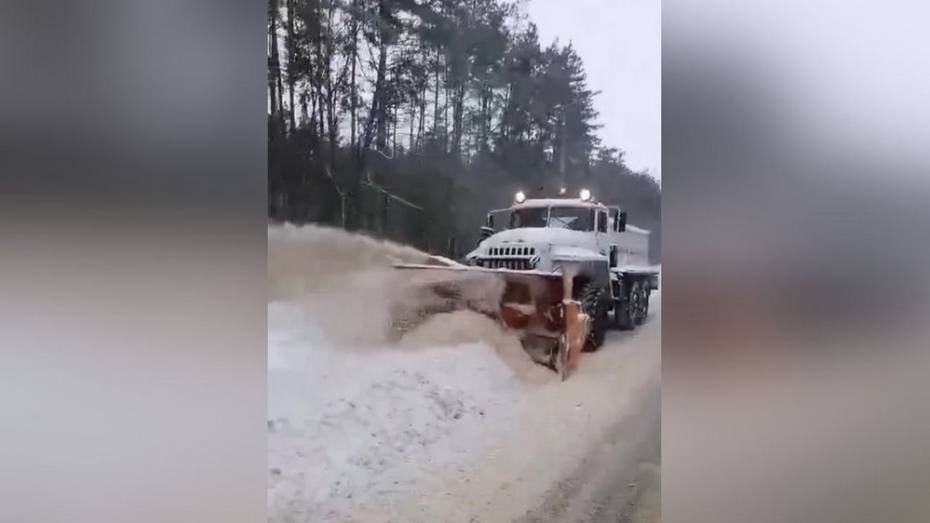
<point x="354" y="426"/>
<point x="583" y="450"/>
<point x="452" y="423"/>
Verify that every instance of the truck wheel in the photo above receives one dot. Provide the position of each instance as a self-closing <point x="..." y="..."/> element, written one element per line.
<point x="646" y="294"/>
<point x="642" y="305"/>
<point x="625" y="312"/>
<point x="594" y="305"/>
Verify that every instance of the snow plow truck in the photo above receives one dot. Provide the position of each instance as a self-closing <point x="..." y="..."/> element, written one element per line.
<point x="560" y="271"/>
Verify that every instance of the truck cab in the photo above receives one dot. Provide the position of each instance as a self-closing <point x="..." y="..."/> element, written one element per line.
<point x="606" y="258"/>
<point x="546" y="233"/>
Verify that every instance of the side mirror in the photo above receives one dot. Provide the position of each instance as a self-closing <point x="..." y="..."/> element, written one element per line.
<point x="621" y="225"/>
<point x="486" y="231"/>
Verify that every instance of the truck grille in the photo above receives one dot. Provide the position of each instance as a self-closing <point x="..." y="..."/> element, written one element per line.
<point x="511" y="251"/>
<point x="518" y="258"/>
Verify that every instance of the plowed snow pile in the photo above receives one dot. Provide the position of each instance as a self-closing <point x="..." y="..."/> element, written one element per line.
<point x="354" y="416"/>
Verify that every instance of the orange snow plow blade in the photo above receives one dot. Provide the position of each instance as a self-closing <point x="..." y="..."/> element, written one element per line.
<point x="552" y="326"/>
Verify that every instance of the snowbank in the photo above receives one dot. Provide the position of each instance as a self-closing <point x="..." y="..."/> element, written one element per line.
<point x="353" y="418"/>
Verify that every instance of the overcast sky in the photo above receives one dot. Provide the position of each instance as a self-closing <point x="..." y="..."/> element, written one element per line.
<point x="620" y="43"/>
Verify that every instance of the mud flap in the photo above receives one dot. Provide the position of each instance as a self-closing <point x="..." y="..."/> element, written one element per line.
<point x="572" y="340"/>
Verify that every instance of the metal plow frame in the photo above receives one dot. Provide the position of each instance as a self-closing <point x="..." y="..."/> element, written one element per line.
<point x="553" y="326"/>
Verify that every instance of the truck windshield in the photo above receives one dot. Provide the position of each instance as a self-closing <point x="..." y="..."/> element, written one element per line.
<point x="574" y="218"/>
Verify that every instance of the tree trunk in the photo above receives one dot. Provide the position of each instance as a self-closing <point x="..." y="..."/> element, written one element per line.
<point x="436" y="100"/>
<point x="274" y="70"/>
<point x="352" y="88"/>
<point x="322" y="111"/>
<point x="445" y="117"/>
<point x="485" y="128"/>
<point x="333" y="149"/>
<point x="422" y="117"/>
<point x="411" y="142"/>
<point x="332" y="118"/>
<point x="561" y="141"/>
<point x="377" y="112"/>
<point x="504" y="131"/>
<point x="280" y="93"/>
<point x="291" y="65"/>
<point x="318" y="80"/>
<point x="313" y="112"/>
<point x="303" y="106"/>
<point x="394" y="134"/>
<point x="457" y="118"/>
<point x="272" y="96"/>
<point x="381" y="115"/>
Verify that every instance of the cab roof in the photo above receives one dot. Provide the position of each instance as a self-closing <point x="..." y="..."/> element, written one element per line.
<point x="557" y="202"/>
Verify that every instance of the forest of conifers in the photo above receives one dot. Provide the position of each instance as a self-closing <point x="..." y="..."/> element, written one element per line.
<point x="410" y="119"/>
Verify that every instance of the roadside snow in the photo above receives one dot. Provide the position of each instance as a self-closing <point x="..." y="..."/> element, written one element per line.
<point x="349" y="426"/>
<point x="449" y="423"/>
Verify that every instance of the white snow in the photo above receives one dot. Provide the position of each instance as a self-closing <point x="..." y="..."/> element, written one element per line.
<point x="572" y="253"/>
<point x="354" y="423"/>
<point x="451" y="423"/>
<point x="349" y="426"/>
<point x="637" y="230"/>
<point x="638" y="269"/>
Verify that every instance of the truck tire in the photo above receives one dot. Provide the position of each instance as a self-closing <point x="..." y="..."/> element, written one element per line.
<point x="595" y="306"/>
<point x="641" y="309"/>
<point x="644" y="308"/>
<point x="625" y="313"/>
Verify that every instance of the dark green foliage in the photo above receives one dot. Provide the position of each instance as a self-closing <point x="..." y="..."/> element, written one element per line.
<point x="410" y="119"/>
